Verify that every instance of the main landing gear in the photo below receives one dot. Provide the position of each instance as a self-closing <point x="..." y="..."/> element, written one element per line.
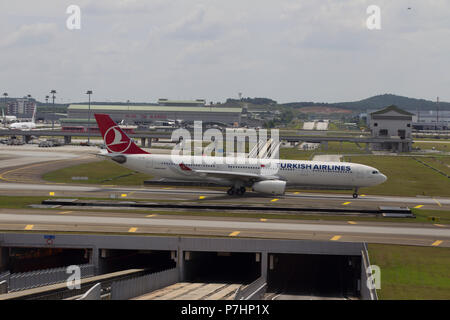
<point x="355" y="194"/>
<point x="236" y="191"/>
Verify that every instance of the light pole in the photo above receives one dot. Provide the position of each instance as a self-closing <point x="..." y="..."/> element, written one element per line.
<point x="27" y="106"/>
<point x="5" y="95"/>
<point x="4" y="110"/>
<point x="89" y="92"/>
<point x="53" y="118"/>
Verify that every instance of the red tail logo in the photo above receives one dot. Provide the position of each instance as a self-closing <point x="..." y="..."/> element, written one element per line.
<point x="185" y="167"/>
<point x="116" y="141"/>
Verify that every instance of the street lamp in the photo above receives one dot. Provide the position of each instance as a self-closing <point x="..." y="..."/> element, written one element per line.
<point x="5" y="95"/>
<point x="53" y="118"/>
<point x="4" y="111"/>
<point x="89" y="92"/>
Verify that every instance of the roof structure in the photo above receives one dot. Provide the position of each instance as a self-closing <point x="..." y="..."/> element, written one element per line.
<point x="392" y="108"/>
<point x="106" y="108"/>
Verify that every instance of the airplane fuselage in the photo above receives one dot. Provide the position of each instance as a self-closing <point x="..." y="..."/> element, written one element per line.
<point x="336" y="175"/>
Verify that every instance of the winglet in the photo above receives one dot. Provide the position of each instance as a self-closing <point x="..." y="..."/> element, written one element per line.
<point x="116" y="141"/>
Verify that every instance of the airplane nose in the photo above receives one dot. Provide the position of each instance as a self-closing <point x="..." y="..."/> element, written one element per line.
<point x="383" y="178"/>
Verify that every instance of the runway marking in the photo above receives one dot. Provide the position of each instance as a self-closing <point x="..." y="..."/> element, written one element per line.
<point x="436" y="243"/>
<point x="25" y="167"/>
<point x="362" y="195"/>
<point x="419" y="206"/>
<point x="29" y="227"/>
<point x="64" y="212"/>
<point x="263" y="220"/>
<point x="51" y="193"/>
<point x="132" y="229"/>
<point x="274" y="200"/>
<point x="234" y="234"/>
<point x="296" y="192"/>
<point x="201" y="197"/>
<point x="351" y="222"/>
<point x="335" y="238"/>
<point x="123" y="195"/>
<point x="439" y="225"/>
<point x="440" y="205"/>
<point x="346" y="203"/>
<point x="151" y="215"/>
<point x="167" y="188"/>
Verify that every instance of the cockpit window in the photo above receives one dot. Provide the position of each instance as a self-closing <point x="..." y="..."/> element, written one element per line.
<point x="374" y="172"/>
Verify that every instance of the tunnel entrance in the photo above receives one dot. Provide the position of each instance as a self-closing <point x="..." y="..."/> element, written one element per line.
<point x="153" y="261"/>
<point x="223" y="267"/>
<point x="316" y="275"/>
<point x="30" y="259"/>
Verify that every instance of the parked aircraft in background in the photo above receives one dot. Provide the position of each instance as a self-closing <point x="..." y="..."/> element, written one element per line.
<point x="25" y="126"/>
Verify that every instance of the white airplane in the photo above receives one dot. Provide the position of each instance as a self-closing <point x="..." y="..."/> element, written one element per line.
<point x="267" y="176"/>
<point x="7" y="119"/>
<point x="25" y="126"/>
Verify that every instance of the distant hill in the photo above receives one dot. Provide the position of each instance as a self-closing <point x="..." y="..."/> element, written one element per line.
<point x="378" y="102"/>
<point x="384" y="100"/>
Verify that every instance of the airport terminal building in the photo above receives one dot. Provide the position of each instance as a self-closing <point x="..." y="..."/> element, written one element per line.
<point x="392" y="122"/>
<point x="187" y="111"/>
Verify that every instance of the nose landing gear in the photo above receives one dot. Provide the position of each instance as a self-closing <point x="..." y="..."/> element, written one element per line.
<point x="355" y="194"/>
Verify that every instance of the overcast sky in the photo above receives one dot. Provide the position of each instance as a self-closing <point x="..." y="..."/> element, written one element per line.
<point x="287" y="50"/>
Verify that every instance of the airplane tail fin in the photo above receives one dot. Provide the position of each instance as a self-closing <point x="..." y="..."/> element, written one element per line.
<point x="116" y="141"/>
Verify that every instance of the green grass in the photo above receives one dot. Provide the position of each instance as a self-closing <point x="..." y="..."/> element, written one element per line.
<point x="445" y="147"/>
<point x="99" y="172"/>
<point x="424" y="215"/>
<point x="412" y="272"/>
<point x="15" y="202"/>
<point x="333" y="148"/>
<point x="406" y="177"/>
<point x="438" y="163"/>
<point x="296" y="154"/>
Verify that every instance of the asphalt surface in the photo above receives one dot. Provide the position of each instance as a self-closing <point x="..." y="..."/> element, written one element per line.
<point x="114" y="221"/>
<point x="29" y="220"/>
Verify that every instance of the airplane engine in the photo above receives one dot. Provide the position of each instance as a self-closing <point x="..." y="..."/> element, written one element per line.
<point x="275" y="187"/>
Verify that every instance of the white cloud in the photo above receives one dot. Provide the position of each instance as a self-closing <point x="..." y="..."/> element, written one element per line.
<point x="30" y="35"/>
<point x="287" y="49"/>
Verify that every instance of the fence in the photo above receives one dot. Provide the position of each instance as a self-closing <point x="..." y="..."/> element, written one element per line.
<point x="126" y="289"/>
<point x="431" y="167"/>
<point x="5" y="276"/>
<point x="254" y="291"/>
<point x="39" y="278"/>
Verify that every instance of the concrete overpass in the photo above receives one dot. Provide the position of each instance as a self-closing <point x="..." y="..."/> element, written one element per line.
<point x="147" y="137"/>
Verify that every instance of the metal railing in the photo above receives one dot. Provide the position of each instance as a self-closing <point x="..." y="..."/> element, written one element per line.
<point x="131" y="288"/>
<point x="253" y="291"/>
<point x="40" y="278"/>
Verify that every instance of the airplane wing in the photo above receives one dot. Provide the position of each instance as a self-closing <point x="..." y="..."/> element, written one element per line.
<point x="243" y="176"/>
